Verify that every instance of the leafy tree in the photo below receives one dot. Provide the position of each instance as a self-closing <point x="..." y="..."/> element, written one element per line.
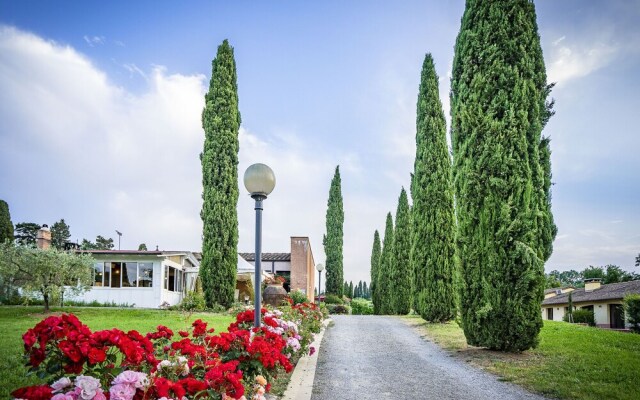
<point x="25" y="233"/>
<point x="593" y="272"/>
<point x="221" y="123"/>
<point x="60" y="234"/>
<point x="433" y="246"/>
<point x="552" y="281"/>
<point x="6" y="226"/>
<point x="103" y="243"/>
<point x="333" y="239"/>
<point x="638" y="260"/>
<point x="375" y="267"/>
<point x="400" y="270"/>
<point x="501" y="177"/>
<point x="142" y="247"/>
<point x="45" y="271"/>
<point x="632" y="311"/>
<point x="383" y="286"/>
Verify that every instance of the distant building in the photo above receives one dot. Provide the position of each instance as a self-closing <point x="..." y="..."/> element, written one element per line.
<point x="298" y="266"/>
<point x="604" y="300"/>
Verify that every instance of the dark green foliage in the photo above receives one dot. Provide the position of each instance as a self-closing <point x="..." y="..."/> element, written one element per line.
<point x="581" y="316"/>
<point x="502" y="181"/>
<point x="400" y="270"/>
<point x="101" y="243"/>
<point x="376" y="251"/>
<point x="142" y="247"/>
<point x="350" y="293"/>
<point x="334" y="237"/>
<point x="592" y="272"/>
<point x="298" y="297"/>
<point x="219" y="158"/>
<point x="632" y="311"/>
<point x="60" y="234"/>
<point x="433" y="222"/>
<point x="6" y="226"/>
<point x="193" y="301"/>
<point x="383" y="286"/>
<point x="338" y="309"/>
<point x="638" y="260"/>
<point x="333" y="299"/>
<point x="345" y="289"/>
<point x="25" y="233"/>
<point x="361" y="307"/>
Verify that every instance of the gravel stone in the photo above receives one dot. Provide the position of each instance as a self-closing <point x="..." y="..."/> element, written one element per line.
<point x="377" y="357"/>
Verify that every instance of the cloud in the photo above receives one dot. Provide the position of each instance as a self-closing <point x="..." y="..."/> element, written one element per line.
<point x="94" y="40"/>
<point x="572" y="61"/>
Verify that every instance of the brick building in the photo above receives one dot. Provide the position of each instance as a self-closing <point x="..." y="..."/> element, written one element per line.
<point x="298" y="266"/>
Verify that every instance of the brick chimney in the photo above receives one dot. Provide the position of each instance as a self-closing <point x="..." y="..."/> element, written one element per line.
<point x="43" y="238"/>
<point x="592" y="284"/>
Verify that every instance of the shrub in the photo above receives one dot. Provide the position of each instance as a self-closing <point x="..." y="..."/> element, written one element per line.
<point x="193" y="301"/>
<point x="632" y="311"/>
<point x="361" y="307"/>
<point x="338" y="309"/>
<point x="333" y="299"/>
<point x="582" y="317"/>
<point x="298" y="297"/>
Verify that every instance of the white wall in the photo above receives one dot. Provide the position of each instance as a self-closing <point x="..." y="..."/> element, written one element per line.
<point x="601" y="314"/>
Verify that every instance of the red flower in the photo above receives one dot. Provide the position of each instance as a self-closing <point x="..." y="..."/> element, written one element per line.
<point x="42" y="392"/>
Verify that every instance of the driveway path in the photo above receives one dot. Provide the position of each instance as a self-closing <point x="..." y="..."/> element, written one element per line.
<point x="377" y="357"/>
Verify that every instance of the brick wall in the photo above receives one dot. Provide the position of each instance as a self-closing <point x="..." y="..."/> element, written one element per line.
<point x="302" y="266"/>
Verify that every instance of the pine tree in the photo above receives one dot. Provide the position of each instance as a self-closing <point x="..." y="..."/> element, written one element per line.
<point x="60" y="234"/>
<point x="351" y="296"/>
<point x="375" y="267"/>
<point x="334" y="237"/>
<point x="345" y="289"/>
<point x="366" y="291"/>
<point x="400" y="270"/>
<point x="6" y="226"/>
<point x="433" y="245"/>
<point x="383" y="285"/>
<point x="221" y="122"/>
<point x="505" y="228"/>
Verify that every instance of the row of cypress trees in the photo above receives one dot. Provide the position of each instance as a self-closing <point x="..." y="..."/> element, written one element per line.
<point x="483" y="254"/>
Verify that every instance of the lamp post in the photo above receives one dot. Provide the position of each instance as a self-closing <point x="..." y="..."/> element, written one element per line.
<point x="119" y="236"/>
<point x="259" y="181"/>
<point x="320" y="268"/>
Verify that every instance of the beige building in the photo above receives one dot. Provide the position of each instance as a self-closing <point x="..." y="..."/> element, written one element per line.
<point x="298" y="266"/>
<point x="604" y="300"/>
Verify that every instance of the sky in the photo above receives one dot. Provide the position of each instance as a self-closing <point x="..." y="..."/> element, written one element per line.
<point x="100" y="106"/>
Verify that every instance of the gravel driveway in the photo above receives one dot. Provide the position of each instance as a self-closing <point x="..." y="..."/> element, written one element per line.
<point x="377" y="357"/>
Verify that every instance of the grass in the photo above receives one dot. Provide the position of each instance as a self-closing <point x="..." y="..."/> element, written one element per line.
<point x="15" y="320"/>
<point x="571" y="361"/>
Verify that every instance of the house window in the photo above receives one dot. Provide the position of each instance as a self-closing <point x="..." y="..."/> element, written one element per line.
<point x="107" y="274"/>
<point x="130" y="274"/>
<point x="145" y="274"/>
<point x="116" y="274"/>
<point x="97" y="274"/>
<point x="173" y="278"/>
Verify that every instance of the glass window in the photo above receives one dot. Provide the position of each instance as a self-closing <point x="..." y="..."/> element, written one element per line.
<point x="166" y="277"/>
<point x="116" y="274"/>
<point x="145" y="274"/>
<point x="107" y="274"/>
<point x="172" y="280"/>
<point x="97" y="274"/>
<point x="130" y="274"/>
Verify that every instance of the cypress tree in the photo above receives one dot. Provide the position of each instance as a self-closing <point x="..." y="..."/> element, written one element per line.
<point x="383" y="289"/>
<point x="6" y="226"/>
<point x="334" y="237"/>
<point x="221" y="122"/>
<point x="400" y="270"/>
<point x="433" y="245"/>
<point x="375" y="267"/>
<point x="498" y="108"/>
<point x="351" y="295"/>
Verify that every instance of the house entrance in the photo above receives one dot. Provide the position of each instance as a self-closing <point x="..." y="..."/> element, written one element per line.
<point x="616" y="316"/>
<point x="550" y="313"/>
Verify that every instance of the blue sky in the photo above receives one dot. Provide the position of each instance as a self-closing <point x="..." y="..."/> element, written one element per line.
<point x="100" y="114"/>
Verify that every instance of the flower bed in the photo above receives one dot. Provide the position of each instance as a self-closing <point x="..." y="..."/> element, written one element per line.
<point x="79" y="364"/>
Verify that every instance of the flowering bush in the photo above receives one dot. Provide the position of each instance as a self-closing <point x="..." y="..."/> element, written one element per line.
<point x="196" y="364"/>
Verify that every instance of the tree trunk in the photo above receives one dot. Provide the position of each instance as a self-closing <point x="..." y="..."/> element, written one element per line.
<point x="45" y="296"/>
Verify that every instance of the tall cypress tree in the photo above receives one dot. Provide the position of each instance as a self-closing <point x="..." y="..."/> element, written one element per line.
<point x="6" y="226"/>
<point x="221" y="122"/>
<point x="383" y="283"/>
<point x="376" y="251"/>
<point x="334" y="237"/>
<point x="498" y="108"/>
<point x="400" y="271"/>
<point x="433" y="245"/>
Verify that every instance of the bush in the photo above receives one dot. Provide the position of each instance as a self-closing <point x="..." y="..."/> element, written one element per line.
<point x="361" y="307"/>
<point x="333" y="299"/>
<point x="298" y="297"/>
<point x="338" y="309"/>
<point x="582" y="317"/>
<point x="632" y="311"/>
<point x="193" y="301"/>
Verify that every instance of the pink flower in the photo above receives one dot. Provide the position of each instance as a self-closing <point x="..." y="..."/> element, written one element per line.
<point x="61" y="384"/>
<point x="87" y="387"/>
<point x="137" y="380"/>
<point x="122" y="392"/>
<point x="63" y="396"/>
<point x="312" y="350"/>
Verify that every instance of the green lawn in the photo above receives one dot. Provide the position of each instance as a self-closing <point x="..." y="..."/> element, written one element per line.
<point x="571" y="362"/>
<point x="14" y="321"/>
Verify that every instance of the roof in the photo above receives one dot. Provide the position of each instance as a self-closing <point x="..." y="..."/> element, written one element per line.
<point x="267" y="256"/>
<point x="612" y="291"/>
<point x="127" y="252"/>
